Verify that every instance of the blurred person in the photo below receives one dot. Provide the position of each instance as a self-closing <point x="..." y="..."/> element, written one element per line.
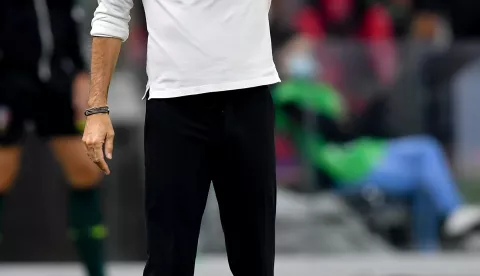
<point x="461" y="15"/>
<point x="209" y="118"/>
<point x="453" y="27"/>
<point x="43" y="79"/>
<point x="368" y="22"/>
<point x="413" y="167"/>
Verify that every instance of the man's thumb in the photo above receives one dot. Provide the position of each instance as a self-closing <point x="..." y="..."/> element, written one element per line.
<point x="109" y="146"/>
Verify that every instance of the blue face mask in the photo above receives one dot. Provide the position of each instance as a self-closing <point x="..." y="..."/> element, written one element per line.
<point x="302" y="66"/>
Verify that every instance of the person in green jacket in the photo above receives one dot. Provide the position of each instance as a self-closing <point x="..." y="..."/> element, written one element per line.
<point x="411" y="166"/>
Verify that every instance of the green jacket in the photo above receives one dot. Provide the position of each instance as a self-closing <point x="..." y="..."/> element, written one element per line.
<point x="345" y="163"/>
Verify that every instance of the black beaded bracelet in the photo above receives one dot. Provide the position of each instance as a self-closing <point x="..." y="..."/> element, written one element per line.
<point x="97" y="110"/>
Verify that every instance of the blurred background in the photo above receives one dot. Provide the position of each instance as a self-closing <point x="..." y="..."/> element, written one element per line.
<point x="400" y="68"/>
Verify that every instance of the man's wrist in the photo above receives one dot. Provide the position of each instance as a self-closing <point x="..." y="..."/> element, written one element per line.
<point x="96" y="110"/>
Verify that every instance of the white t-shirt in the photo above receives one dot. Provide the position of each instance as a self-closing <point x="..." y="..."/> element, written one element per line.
<point x="197" y="46"/>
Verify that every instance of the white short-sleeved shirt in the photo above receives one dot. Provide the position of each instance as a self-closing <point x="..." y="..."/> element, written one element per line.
<point x="197" y="46"/>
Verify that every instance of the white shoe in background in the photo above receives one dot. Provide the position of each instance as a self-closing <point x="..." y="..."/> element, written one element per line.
<point x="462" y="221"/>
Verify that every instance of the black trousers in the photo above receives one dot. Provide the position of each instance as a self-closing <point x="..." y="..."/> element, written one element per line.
<point x="226" y="138"/>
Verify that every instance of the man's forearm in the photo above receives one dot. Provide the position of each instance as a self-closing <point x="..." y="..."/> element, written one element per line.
<point x="105" y="51"/>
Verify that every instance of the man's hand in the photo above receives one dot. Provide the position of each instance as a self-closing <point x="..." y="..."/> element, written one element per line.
<point x="99" y="132"/>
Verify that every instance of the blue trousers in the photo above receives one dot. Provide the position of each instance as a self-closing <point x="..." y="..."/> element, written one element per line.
<point x="416" y="168"/>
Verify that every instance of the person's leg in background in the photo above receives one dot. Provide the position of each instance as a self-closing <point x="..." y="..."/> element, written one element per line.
<point x="86" y="227"/>
<point x="425" y="223"/>
<point x="9" y="165"/>
<point x="12" y="116"/>
<point x="416" y="167"/>
<point x="396" y="176"/>
<point x="55" y="121"/>
<point x="425" y="161"/>
<point x="245" y="182"/>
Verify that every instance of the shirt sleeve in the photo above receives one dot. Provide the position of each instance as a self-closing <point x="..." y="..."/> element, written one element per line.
<point x="111" y="19"/>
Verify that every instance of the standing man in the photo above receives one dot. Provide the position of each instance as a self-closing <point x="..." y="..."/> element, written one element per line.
<point x="442" y="69"/>
<point x="43" y="79"/>
<point x="209" y="118"/>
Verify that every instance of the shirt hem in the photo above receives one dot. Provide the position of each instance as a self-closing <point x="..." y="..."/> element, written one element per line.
<point x="196" y="90"/>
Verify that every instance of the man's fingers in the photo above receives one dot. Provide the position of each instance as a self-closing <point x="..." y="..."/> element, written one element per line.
<point x="103" y="166"/>
<point x="109" y="145"/>
<point x="100" y="160"/>
<point x="95" y="153"/>
<point x="90" y="149"/>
